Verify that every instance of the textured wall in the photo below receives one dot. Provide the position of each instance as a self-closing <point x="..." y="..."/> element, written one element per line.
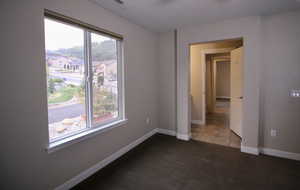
<point x="25" y="164"/>
<point x="281" y="67"/>
<point x="167" y="81"/>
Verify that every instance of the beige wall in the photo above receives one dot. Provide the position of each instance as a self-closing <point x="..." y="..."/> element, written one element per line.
<point x="223" y="79"/>
<point x="196" y="73"/>
<point x="281" y="73"/>
<point x="167" y="78"/>
<point x="24" y="161"/>
<point x="250" y="29"/>
<point x="272" y="67"/>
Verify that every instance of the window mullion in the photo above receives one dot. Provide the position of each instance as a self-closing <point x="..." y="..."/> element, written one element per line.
<point x="120" y="80"/>
<point x="89" y="79"/>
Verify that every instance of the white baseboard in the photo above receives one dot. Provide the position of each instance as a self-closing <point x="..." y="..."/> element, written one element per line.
<point x="197" y="122"/>
<point x="250" y="150"/>
<point x="166" y="132"/>
<point x="90" y="171"/>
<point x="184" y="137"/>
<point x="281" y="154"/>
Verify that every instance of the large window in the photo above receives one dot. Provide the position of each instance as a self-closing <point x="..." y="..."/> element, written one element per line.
<point x="84" y="77"/>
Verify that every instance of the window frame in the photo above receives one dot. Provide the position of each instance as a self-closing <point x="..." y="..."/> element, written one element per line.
<point x="91" y="129"/>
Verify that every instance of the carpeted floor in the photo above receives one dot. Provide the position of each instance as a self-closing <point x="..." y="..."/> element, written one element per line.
<point x="165" y="163"/>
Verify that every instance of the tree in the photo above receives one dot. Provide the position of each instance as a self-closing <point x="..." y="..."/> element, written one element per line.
<point x="51" y="86"/>
<point x="104" y="102"/>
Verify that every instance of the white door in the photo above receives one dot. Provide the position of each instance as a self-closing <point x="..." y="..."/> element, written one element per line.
<point x="236" y="90"/>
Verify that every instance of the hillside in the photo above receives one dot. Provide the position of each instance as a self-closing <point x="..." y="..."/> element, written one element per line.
<point x="105" y="50"/>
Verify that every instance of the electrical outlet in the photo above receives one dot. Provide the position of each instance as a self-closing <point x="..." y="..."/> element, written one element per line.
<point x="147" y="120"/>
<point x="273" y="133"/>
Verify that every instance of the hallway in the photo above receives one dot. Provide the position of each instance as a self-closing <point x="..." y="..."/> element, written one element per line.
<point x="217" y="129"/>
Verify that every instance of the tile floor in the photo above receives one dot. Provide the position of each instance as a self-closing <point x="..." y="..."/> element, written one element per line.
<point x="216" y="130"/>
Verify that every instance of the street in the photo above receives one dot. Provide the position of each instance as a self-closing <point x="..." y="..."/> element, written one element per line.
<point x="68" y="78"/>
<point x="61" y="113"/>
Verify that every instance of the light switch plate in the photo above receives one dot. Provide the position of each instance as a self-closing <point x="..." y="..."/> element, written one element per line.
<point x="295" y="93"/>
<point x="273" y="133"/>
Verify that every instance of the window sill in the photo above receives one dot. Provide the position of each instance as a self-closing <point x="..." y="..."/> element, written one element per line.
<point x="54" y="146"/>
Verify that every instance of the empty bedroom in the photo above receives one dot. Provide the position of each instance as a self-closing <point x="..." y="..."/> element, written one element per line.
<point x="150" y="94"/>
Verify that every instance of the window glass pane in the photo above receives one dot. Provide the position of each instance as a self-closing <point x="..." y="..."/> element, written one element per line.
<point x="105" y="80"/>
<point x="65" y="76"/>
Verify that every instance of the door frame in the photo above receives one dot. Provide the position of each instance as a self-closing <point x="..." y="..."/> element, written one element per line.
<point x="248" y="30"/>
<point x="203" y="60"/>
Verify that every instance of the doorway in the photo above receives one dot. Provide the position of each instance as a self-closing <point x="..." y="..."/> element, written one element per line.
<point x="216" y="83"/>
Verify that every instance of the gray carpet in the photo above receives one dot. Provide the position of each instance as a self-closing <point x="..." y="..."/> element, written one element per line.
<point x="165" y="163"/>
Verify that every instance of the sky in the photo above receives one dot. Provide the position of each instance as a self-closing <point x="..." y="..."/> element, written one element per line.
<point x="61" y="36"/>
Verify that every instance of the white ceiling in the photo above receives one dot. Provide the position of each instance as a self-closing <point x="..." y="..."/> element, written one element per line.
<point x="163" y="15"/>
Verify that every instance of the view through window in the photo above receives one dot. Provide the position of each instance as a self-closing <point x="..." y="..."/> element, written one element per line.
<point x="82" y="89"/>
<point x="104" y="71"/>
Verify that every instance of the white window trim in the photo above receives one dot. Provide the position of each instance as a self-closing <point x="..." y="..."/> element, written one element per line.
<point x="88" y="133"/>
<point x="91" y="130"/>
